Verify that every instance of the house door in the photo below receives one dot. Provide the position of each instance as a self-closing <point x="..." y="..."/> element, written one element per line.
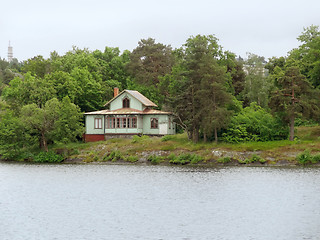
<point x="163" y="129"/>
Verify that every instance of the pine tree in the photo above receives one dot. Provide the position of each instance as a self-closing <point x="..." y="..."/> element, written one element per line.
<point x="294" y="97"/>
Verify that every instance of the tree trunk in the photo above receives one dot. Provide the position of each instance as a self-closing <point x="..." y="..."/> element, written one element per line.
<point x="215" y="135"/>
<point x="44" y="142"/>
<point x="204" y="137"/>
<point x="291" y="137"/>
<point x="195" y="135"/>
<point x="189" y="133"/>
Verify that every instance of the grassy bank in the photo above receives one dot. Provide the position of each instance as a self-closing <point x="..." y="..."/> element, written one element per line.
<point x="177" y="149"/>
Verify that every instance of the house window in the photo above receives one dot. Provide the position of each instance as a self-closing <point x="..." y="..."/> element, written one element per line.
<point x="111" y="122"/>
<point x="98" y="123"/>
<point x="126" y="103"/>
<point x="123" y="122"/>
<point x="154" y="123"/>
<point x="133" y="122"/>
<point x="169" y="123"/>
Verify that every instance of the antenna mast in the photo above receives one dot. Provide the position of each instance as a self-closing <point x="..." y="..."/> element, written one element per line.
<point x="10" y="53"/>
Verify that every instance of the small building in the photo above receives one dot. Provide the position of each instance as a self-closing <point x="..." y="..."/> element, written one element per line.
<point x="130" y="113"/>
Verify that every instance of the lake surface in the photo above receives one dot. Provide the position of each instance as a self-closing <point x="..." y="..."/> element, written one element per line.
<point x="158" y="202"/>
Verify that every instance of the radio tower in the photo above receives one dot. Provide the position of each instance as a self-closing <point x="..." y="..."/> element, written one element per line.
<point x="10" y="53"/>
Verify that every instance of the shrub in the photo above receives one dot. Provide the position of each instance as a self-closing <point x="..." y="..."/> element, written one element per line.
<point x="315" y="158"/>
<point x="196" y="159"/>
<point x="132" y="159"/>
<point x="113" y="156"/>
<point x="243" y="161"/>
<point x="254" y="123"/>
<point x="262" y="160"/>
<point x="172" y="156"/>
<point x="48" y="157"/>
<point x="154" y="159"/>
<point x="224" y="160"/>
<point x="254" y="158"/>
<point x="304" y="157"/>
<point x="185" y="158"/>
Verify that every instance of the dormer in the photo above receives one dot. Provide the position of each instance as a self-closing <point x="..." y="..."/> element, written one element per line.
<point x="129" y="99"/>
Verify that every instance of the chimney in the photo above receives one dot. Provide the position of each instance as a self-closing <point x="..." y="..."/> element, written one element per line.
<point x="115" y="92"/>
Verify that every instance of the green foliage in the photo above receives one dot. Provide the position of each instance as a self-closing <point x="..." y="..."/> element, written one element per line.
<point x="132" y="159"/>
<point x="257" y="158"/>
<point x="316" y="158"/>
<point x="167" y="138"/>
<point x="304" y="158"/>
<point x="48" y="157"/>
<point x="114" y="156"/>
<point x="224" y="160"/>
<point x="68" y="126"/>
<point x="185" y="158"/>
<point x="149" y="61"/>
<point x="154" y="159"/>
<point x="56" y="121"/>
<point x="14" y="140"/>
<point x="138" y="139"/>
<point x="294" y="97"/>
<point x="254" y="123"/>
<point x="257" y="85"/>
<point x="198" y="86"/>
<point x="254" y="158"/>
<point x="30" y="90"/>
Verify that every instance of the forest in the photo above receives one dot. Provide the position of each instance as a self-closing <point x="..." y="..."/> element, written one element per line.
<point x="214" y="94"/>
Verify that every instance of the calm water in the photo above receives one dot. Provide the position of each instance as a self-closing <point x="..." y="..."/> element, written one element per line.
<point x="156" y="202"/>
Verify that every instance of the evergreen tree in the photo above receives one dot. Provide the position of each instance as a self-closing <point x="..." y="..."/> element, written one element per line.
<point x="294" y="97"/>
<point x="199" y="89"/>
<point x="149" y="61"/>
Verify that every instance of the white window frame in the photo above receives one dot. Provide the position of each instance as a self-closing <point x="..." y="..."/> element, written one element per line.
<point x="97" y="123"/>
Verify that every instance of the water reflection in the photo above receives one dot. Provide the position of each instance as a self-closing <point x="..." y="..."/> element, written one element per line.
<point x="156" y="202"/>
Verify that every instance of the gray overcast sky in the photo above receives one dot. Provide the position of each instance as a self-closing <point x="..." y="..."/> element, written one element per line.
<point x="267" y="28"/>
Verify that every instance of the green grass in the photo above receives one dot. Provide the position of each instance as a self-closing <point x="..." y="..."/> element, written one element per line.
<point x="307" y="138"/>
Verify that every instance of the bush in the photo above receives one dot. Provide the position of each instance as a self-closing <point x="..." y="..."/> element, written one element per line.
<point x="315" y="158"/>
<point x="304" y="157"/>
<point x="185" y="158"/>
<point x="172" y="156"/>
<point x="113" y="156"/>
<point x="254" y="123"/>
<point x="132" y="159"/>
<point x="224" y="160"/>
<point x="48" y="157"/>
<point x="243" y="161"/>
<point x="254" y="158"/>
<point x="154" y="159"/>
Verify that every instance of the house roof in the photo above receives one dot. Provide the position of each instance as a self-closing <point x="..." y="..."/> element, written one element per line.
<point x="128" y="111"/>
<point x="145" y="101"/>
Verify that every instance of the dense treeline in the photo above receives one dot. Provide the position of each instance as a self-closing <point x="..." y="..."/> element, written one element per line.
<point x="213" y="93"/>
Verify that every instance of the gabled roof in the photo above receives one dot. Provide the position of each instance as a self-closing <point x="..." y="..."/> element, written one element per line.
<point x="145" y="101"/>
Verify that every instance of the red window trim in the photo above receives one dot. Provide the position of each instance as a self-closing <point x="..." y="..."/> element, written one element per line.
<point x="121" y="122"/>
<point x="110" y="122"/>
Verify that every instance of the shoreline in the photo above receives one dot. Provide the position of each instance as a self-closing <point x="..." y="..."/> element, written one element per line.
<point x="179" y="150"/>
<point x="235" y="157"/>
